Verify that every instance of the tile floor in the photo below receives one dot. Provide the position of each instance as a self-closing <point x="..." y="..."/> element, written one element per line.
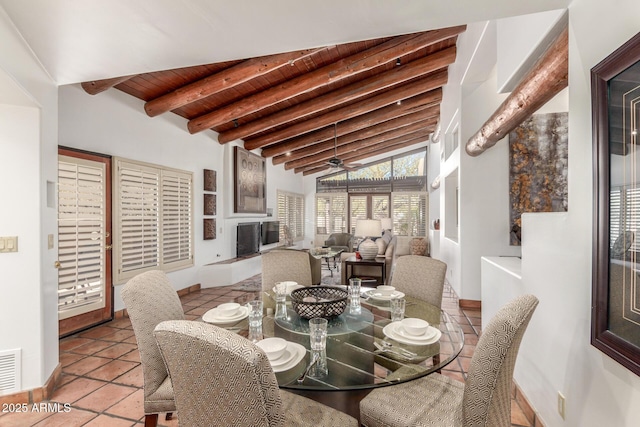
<point x="102" y="377"/>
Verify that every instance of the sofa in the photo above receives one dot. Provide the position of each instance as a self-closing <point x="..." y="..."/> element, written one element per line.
<point x="394" y="247"/>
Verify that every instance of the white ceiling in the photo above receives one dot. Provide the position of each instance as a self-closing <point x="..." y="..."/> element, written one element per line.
<point x="82" y="40"/>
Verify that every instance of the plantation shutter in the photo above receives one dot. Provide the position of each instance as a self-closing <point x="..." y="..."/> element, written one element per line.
<point x="331" y="213"/>
<point x="291" y="214"/>
<point x="153" y="219"/>
<point x="81" y="208"/>
<point x="358" y="209"/>
<point x="409" y="213"/>
<point x="176" y="218"/>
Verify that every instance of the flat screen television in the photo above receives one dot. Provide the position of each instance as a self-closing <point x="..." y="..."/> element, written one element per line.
<point x="270" y="232"/>
<point x="248" y="238"/>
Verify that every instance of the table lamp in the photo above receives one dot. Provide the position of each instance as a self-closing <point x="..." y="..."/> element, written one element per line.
<point x="368" y="228"/>
<point x="386" y="225"/>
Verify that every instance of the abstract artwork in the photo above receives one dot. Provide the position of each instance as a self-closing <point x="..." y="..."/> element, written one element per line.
<point x="210" y="180"/>
<point x="250" y="176"/>
<point x="538" y="159"/>
<point x="210" y="204"/>
<point x="209" y="228"/>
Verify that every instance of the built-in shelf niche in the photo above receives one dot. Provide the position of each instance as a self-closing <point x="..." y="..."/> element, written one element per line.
<point x="451" y="206"/>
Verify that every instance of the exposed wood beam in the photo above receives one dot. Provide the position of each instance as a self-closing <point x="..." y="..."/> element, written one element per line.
<point x="364" y="145"/>
<point x="223" y="80"/>
<point x="431" y="83"/>
<point x="94" y="87"/>
<point x="381" y="149"/>
<point x="346" y="94"/>
<point x="408" y="106"/>
<point x="347" y="67"/>
<point x="401" y="124"/>
<point x="545" y="80"/>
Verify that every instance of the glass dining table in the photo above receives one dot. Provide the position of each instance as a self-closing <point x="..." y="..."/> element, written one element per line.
<point x="364" y="350"/>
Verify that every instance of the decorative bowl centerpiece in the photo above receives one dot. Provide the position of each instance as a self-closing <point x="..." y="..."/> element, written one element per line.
<point x="319" y="301"/>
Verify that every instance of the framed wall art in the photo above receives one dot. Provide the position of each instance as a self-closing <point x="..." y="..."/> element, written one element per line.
<point x="250" y="182"/>
<point x="209" y="228"/>
<point x="210" y="183"/>
<point x="615" y="103"/>
<point x="210" y="203"/>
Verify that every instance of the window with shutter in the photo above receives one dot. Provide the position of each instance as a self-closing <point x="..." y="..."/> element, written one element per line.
<point x="331" y="213"/>
<point x="153" y="219"/>
<point x="409" y="213"/>
<point x="291" y="214"/>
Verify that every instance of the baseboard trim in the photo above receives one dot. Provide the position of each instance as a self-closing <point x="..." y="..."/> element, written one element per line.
<point x="37" y="394"/>
<point x="470" y="304"/>
<point x="526" y="407"/>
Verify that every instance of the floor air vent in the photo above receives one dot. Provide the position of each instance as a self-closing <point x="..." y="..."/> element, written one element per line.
<point x="10" y="371"/>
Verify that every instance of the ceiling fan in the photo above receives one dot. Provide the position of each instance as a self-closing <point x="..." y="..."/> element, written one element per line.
<point x="335" y="162"/>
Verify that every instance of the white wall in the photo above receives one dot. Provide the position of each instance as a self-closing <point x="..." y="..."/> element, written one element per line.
<point x="28" y="137"/>
<point x="114" y="123"/>
<point x="556" y="257"/>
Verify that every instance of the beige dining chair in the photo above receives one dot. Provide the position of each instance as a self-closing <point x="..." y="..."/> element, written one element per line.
<point x="437" y="400"/>
<point x="279" y="266"/>
<point x="420" y="277"/>
<point x="223" y="379"/>
<point x="150" y="299"/>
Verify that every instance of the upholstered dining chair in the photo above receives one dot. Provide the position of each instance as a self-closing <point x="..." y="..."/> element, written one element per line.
<point x="437" y="400"/>
<point x="223" y="379"/>
<point x="279" y="266"/>
<point x="420" y="277"/>
<point x="150" y="299"/>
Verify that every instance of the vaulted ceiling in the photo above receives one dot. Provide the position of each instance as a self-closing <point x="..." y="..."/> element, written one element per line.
<point x="310" y="110"/>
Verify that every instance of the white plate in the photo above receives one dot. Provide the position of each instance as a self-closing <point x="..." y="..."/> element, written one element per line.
<point x="427" y="336"/>
<point x="378" y="295"/>
<point x="298" y="352"/>
<point x="289" y="288"/>
<point x="288" y="355"/>
<point x="391" y="331"/>
<point x="212" y="316"/>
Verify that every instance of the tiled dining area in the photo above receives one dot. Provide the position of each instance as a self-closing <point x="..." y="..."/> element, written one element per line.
<point x="102" y="376"/>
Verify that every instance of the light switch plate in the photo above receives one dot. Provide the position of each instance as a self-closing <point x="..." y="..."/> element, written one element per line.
<point x="9" y="244"/>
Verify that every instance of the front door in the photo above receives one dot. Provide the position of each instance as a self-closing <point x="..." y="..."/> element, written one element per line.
<point x="85" y="296"/>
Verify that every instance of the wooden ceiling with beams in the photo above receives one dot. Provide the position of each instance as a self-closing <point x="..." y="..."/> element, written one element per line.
<point x="375" y="96"/>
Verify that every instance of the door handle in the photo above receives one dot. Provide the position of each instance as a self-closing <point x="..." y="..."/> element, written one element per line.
<point x="108" y="248"/>
<point x="56" y="264"/>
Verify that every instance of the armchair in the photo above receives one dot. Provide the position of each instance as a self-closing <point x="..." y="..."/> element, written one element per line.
<point x="340" y="241"/>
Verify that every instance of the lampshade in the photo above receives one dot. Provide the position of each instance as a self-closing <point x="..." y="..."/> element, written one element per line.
<point x="386" y="224"/>
<point x="368" y="228"/>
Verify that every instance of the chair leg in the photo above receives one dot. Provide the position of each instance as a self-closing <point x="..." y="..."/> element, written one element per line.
<point x="169" y="416"/>
<point x="151" y="420"/>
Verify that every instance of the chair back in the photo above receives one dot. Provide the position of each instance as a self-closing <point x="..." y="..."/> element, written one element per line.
<point x="279" y="266"/>
<point x="150" y="299"/>
<point x="420" y="277"/>
<point x="487" y="392"/>
<point x="219" y="378"/>
<point x="340" y="240"/>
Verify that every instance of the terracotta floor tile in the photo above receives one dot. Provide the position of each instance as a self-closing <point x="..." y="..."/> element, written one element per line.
<point x="198" y="311"/>
<point x="120" y="335"/>
<point x="67" y="359"/>
<point x="73" y="342"/>
<point x="104" y="397"/>
<point x="116" y="350"/>
<point x="123" y="323"/>
<point x="111" y="370"/>
<point x="85" y="365"/>
<point x="75" y="390"/>
<point x="132" y="356"/>
<point x="104" y="420"/>
<point x="65" y="379"/>
<point x="98" y="332"/>
<point x="22" y="419"/>
<point x="75" y="417"/>
<point x="131" y="340"/>
<point x="92" y="347"/>
<point x="131" y="408"/>
<point x="192" y="317"/>
<point x="133" y="377"/>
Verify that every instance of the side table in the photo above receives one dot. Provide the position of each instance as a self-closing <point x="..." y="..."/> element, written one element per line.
<point x="376" y="262"/>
